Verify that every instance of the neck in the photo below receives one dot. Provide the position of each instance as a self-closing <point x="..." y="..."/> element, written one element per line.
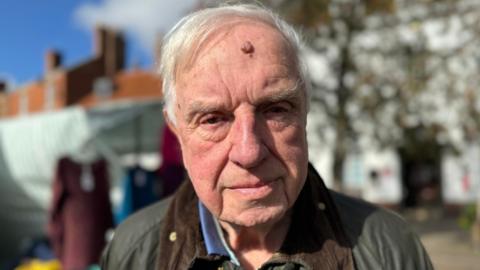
<point x="255" y="245"/>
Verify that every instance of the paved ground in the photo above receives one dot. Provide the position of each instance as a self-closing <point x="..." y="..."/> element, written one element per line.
<point x="449" y="246"/>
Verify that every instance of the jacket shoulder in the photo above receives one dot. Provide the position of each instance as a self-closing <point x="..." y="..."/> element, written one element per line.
<point x="135" y="241"/>
<point x="380" y="238"/>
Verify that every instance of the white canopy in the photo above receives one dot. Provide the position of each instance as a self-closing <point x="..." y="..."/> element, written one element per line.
<point x="31" y="145"/>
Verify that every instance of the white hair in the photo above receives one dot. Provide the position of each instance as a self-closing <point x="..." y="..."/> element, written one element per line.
<point x="182" y="44"/>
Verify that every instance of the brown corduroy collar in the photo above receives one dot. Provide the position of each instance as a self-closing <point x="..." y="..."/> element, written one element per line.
<point x="316" y="238"/>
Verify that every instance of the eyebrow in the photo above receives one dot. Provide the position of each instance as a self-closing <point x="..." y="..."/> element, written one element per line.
<point x="291" y="94"/>
<point x="200" y="107"/>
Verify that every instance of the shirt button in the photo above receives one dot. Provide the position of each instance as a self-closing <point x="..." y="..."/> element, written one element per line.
<point x="172" y="237"/>
<point x="321" y="206"/>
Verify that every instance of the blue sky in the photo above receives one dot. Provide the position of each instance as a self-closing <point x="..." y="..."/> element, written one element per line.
<point x="29" y="28"/>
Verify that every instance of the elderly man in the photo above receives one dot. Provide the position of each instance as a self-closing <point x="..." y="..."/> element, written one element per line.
<point x="236" y="98"/>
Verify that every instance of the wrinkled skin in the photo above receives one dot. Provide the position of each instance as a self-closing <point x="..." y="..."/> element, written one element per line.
<point x="241" y="120"/>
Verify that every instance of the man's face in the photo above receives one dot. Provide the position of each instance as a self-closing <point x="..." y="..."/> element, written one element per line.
<point x="241" y="124"/>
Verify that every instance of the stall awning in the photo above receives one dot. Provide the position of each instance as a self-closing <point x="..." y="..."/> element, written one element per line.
<point x="31" y="145"/>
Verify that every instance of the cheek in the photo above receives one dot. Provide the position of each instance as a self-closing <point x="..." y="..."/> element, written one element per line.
<point x="291" y="145"/>
<point x="291" y="148"/>
<point x="204" y="162"/>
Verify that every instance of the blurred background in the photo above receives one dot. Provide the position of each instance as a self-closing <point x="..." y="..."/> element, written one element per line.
<point x="394" y="116"/>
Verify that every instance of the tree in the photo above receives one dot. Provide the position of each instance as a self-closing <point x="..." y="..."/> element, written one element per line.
<point x="330" y="27"/>
<point x="400" y="73"/>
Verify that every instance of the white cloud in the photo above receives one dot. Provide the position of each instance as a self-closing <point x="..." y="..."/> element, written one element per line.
<point x="143" y="19"/>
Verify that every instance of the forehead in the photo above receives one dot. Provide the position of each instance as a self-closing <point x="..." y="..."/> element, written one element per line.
<point x="224" y="74"/>
<point x="227" y="40"/>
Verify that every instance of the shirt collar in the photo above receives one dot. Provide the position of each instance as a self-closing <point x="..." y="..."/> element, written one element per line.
<point x="213" y="235"/>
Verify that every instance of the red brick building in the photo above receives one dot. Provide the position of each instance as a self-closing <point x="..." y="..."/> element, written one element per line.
<point x="101" y="78"/>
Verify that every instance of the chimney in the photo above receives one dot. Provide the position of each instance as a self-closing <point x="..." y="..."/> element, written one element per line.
<point x="53" y="60"/>
<point x="110" y="46"/>
<point x="100" y="40"/>
<point x="3" y="86"/>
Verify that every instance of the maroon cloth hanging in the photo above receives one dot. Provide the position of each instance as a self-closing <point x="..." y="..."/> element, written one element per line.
<point x="170" y="148"/>
<point x="80" y="213"/>
<point x="171" y="172"/>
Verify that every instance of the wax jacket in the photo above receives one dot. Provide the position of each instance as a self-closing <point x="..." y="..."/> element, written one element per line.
<point x="167" y="235"/>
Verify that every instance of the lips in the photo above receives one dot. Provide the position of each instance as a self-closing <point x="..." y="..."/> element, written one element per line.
<point x="254" y="189"/>
<point x="251" y="185"/>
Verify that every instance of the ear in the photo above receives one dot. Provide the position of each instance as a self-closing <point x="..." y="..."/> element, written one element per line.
<point x="169" y="123"/>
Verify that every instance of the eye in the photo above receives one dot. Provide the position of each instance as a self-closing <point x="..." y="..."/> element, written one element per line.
<point x="212" y="119"/>
<point x="278" y="108"/>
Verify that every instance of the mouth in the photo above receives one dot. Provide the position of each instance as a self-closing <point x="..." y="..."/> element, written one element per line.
<point x="257" y="189"/>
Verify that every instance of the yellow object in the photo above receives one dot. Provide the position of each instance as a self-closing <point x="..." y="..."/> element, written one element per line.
<point x="40" y="265"/>
<point x="172" y="236"/>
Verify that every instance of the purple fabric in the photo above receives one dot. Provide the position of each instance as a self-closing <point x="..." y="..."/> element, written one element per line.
<point x="171" y="172"/>
<point x="79" y="216"/>
<point x="170" y="148"/>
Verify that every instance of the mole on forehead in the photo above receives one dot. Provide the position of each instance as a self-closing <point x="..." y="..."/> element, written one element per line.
<point x="247" y="47"/>
<point x="239" y="34"/>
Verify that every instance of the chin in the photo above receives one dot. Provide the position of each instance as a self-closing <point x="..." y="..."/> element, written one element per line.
<point x="257" y="216"/>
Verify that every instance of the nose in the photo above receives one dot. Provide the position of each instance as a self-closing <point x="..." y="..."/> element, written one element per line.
<point x="248" y="149"/>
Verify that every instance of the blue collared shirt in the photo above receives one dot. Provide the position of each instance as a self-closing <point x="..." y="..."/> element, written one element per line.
<point x="213" y="235"/>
